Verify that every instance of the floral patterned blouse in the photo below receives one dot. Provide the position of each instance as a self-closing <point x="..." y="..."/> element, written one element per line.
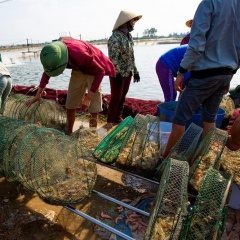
<point x="121" y="53"/>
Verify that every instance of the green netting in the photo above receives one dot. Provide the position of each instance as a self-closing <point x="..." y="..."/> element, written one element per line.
<point x="48" y="113"/>
<point x="88" y="139"/>
<point x="206" y="220"/>
<point x="48" y="162"/>
<point x="207" y="155"/>
<point x="11" y="151"/>
<point x="108" y="149"/>
<point x="7" y="125"/>
<point x="58" y="173"/>
<point x="230" y="163"/>
<point x="186" y="145"/>
<point x="141" y="151"/>
<point x="170" y="204"/>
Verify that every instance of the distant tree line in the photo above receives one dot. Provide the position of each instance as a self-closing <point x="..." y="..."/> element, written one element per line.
<point x="151" y="33"/>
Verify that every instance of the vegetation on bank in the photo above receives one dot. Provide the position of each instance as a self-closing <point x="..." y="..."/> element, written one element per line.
<point x="148" y="36"/>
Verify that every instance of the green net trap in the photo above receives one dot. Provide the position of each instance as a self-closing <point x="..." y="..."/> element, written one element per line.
<point x="49" y="163"/>
<point x="140" y="153"/>
<point x="185" y="148"/>
<point x="206" y="220"/>
<point x="207" y="155"/>
<point x="230" y="163"/>
<point x="7" y="125"/>
<point x="108" y="149"/>
<point x="88" y="139"/>
<point x="11" y="152"/>
<point x="48" y="113"/>
<point x="170" y="205"/>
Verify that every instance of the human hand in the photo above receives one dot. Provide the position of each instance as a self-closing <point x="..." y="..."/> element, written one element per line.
<point x="136" y="77"/>
<point x="178" y="83"/>
<point x="32" y="100"/>
<point x="86" y="101"/>
<point x="119" y="77"/>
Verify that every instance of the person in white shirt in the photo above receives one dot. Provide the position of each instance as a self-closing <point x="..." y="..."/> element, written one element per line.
<point x="5" y="86"/>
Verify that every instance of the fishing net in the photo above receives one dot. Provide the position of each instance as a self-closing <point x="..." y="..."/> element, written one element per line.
<point x="108" y="149"/>
<point x="88" y="139"/>
<point x="122" y="160"/>
<point x="140" y="154"/>
<point x="48" y="113"/>
<point x="207" y="155"/>
<point x="207" y="219"/>
<point x="230" y="163"/>
<point x="60" y="173"/>
<point x="186" y="145"/>
<point x="48" y="162"/>
<point x="11" y="152"/>
<point x="170" y="205"/>
<point x="7" y="125"/>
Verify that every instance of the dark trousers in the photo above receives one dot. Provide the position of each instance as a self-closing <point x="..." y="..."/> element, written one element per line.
<point x="119" y="91"/>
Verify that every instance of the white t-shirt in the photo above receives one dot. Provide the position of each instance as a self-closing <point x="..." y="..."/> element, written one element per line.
<point x="3" y="70"/>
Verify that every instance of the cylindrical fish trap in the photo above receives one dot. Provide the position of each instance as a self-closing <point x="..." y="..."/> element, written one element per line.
<point x="18" y="162"/>
<point x="7" y="125"/>
<point x="50" y="162"/>
<point x="88" y="139"/>
<point x="170" y="205"/>
<point x="108" y="149"/>
<point x="11" y="152"/>
<point x="206" y="220"/>
<point x="48" y="113"/>
<point x="185" y="148"/>
<point x="230" y="163"/>
<point x="207" y="155"/>
<point x="141" y="152"/>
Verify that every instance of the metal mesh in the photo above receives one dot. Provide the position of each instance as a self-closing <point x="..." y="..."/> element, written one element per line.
<point x="208" y="155"/>
<point x="186" y="145"/>
<point x="141" y="152"/>
<point x="108" y="149"/>
<point x="48" y="113"/>
<point x="206" y="220"/>
<point x="170" y="205"/>
<point x="230" y="163"/>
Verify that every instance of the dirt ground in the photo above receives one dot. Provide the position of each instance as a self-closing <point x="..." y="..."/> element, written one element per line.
<point x="25" y="216"/>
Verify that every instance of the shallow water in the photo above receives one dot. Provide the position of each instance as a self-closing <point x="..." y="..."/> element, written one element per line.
<point x="28" y="70"/>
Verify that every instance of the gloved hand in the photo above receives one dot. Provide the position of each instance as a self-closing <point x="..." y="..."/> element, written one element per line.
<point x="119" y="77"/>
<point x="136" y="77"/>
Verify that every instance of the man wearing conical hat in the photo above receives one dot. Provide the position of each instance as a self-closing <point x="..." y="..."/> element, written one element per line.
<point x="121" y="53"/>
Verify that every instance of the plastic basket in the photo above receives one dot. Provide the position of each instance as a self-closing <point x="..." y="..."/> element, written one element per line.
<point x="166" y="111"/>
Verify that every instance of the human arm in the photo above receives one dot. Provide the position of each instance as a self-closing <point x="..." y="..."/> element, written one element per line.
<point x="199" y="31"/>
<point x="44" y="81"/>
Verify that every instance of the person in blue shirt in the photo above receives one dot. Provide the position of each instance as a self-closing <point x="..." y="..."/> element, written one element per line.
<point x="166" y="69"/>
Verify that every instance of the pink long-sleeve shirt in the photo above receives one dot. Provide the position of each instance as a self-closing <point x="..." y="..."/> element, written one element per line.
<point x="88" y="59"/>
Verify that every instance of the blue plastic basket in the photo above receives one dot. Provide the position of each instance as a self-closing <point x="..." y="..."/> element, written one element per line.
<point x="166" y="111"/>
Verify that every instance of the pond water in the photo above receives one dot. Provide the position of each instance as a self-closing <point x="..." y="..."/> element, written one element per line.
<point x="28" y="70"/>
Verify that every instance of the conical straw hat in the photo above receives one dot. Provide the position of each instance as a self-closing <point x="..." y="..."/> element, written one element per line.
<point x="125" y="16"/>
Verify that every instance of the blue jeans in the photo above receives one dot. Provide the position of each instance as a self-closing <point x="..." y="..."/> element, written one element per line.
<point x="5" y="89"/>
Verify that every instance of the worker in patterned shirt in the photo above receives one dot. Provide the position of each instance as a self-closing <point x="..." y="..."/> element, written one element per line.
<point x="121" y="53"/>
